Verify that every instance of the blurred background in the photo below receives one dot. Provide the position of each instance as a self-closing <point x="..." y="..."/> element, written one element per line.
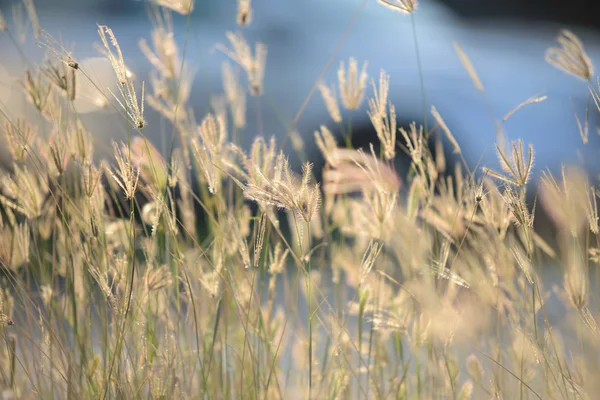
<point x="505" y="40"/>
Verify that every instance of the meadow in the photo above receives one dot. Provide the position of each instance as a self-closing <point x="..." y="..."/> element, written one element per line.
<point x="218" y="271"/>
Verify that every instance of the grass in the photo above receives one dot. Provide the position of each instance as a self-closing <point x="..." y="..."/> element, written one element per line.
<point x="219" y="272"/>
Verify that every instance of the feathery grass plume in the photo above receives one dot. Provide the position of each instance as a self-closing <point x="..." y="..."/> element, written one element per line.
<point x="588" y="319"/>
<point x="369" y="258"/>
<point x="531" y="100"/>
<point x="116" y="60"/>
<point x="32" y="14"/>
<point x="277" y="259"/>
<point x="308" y="198"/>
<point x="169" y="97"/>
<point x="149" y="162"/>
<point x="91" y="175"/>
<point x="571" y="56"/>
<point x="260" y="163"/>
<point x="58" y="152"/>
<point x="80" y="142"/>
<point x="584" y="129"/>
<point x="449" y="135"/>
<point x="14" y="246"/>
<point x="237" y="242"/>
<point x="354" y="171"/>
<point x="576" y="279"/>
<point x="181" y="6"/>
<point x="235" y="95"/>
<point x="466" y="391"/>
<point x="567" y="203"/>
<point x="58" y="51"/>
<point x="24" y="192"/>
<point x="414" y="143"/>
<point x="282" y="191"/>
<point x="352" y="83"/>
<point x="523" y="263"/>
<point x="253" y="64"/>
<point x="62" y="77"/>
<point x="244" y="13"/>
<point x="157" y="278"/>
<point x="446" y="213"/>
<point x="297" y="141"/>
<point x="468" y="66"/>
<point x="208" y="149"/>
<point x="327" y="144"/>
<point x="331" y="102"/>
<point x="165" y="57"/>
<point x="19" y="137"/>
<point x="37" y="89"/>
<point x="403" y="6"/>
<point x="474" y="368"/>
<point x="127" y="175"/>
<point x="516" y="203"/>
<point x="518" y="169"/>
<point x="384" y="124"/>
<point x="133" y="108"/>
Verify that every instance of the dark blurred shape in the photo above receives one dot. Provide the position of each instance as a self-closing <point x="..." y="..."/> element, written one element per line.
<point x="573" y="12"/>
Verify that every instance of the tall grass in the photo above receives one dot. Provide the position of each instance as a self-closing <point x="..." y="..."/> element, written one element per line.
<point x="219" y="272"/>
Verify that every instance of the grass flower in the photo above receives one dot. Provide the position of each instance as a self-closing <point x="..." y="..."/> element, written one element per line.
<point x="284" y="192"/>
<point x="19" y="137"/>
<point x="355" y="171"/>
<point x="191" y="277"/>
<point x="384" y="123"/>
<point x="352" y="83"/>
<point x="235" y="95"/>
<point x="331" y="102"/>
<point x="568" y="201"/>
<point x="130" y="104"/>
<point x="518" y="168"/>
<point x="33" y="17"/>
<point x="165" y="57"/>
<point x="403" y="6"/>
<point x="126" y="175"/>
<point x="208" y="147"/>
<point x="571" y="56"/>
<point x="253" y="63"/>
<point x="181" y="6"/>
<point x="37" y="89"/>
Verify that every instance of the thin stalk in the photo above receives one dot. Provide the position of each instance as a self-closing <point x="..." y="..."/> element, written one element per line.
<point x="421" y="78"/>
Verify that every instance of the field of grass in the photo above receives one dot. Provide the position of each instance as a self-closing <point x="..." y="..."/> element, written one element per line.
<point x="218" y="272"/>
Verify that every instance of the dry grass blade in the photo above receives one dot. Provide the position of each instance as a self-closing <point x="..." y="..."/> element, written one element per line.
<point x="449" y="135"/>
<point x="468" y="66"/>
<point x="531" y="100"/>
<point x="33" y="17"/>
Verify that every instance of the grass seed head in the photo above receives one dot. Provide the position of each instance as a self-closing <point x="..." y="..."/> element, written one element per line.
<point x="570" y="57"/>
<point x="352" y="83"/>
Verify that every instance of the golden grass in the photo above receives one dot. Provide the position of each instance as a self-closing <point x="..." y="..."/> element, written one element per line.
<point x="120" y="280"/>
